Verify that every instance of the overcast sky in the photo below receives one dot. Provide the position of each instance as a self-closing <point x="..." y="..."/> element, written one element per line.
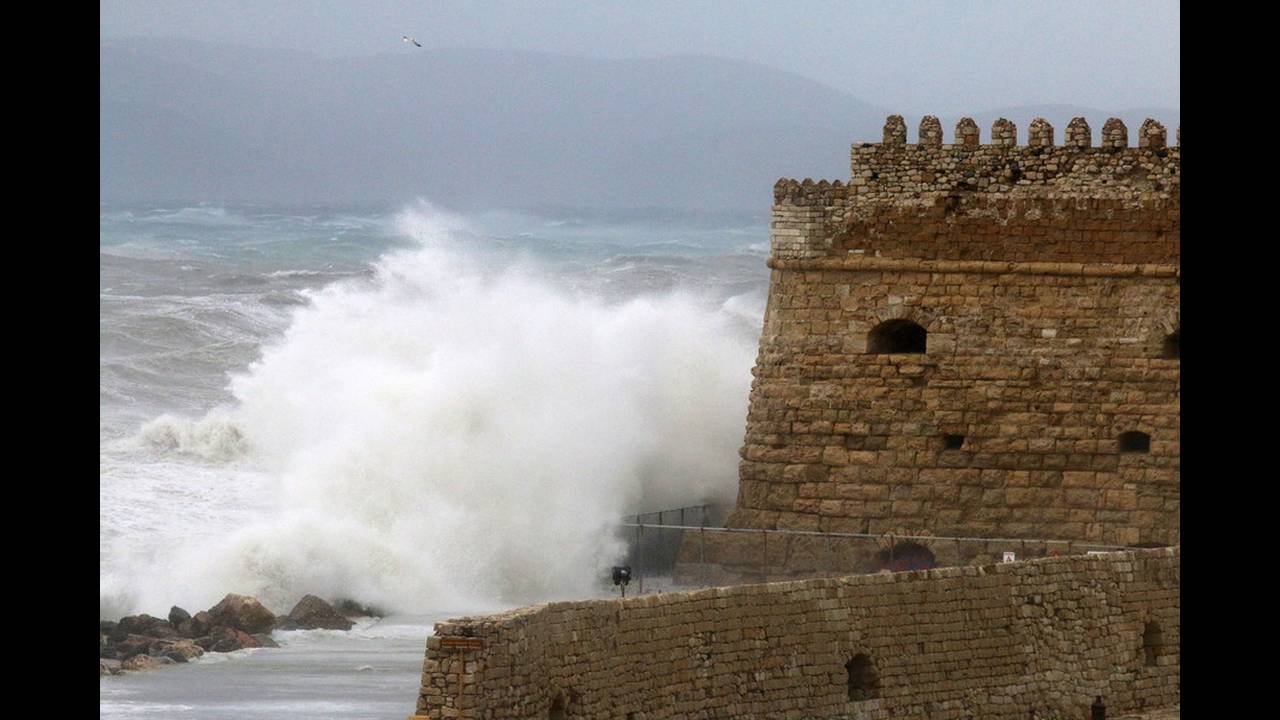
<point x="914" y="56"/>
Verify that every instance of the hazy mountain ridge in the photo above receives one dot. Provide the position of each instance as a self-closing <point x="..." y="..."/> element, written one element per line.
<point x="185" y="121"/>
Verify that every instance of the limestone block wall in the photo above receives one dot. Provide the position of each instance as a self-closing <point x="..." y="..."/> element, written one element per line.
<point x="1034" y="376"/>
<point x="1044" y="281"/>
<point x="992" y="642"/>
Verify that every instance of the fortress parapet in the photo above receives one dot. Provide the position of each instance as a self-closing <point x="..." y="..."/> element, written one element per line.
<point x="970" y="201"/>
<point x="897" y="170"/>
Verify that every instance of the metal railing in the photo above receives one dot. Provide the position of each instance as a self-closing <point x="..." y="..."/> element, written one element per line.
<point x="701" y="553"/>
<point x="703" y="515"/>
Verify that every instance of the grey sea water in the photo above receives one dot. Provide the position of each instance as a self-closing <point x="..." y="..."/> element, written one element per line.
<point x="438" y="413"/>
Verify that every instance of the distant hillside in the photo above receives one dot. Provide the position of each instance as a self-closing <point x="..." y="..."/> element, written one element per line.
<point x="183" y="121"/>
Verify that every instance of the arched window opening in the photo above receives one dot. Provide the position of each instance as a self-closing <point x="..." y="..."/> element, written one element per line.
<point x="1135" y="442"/>
<point x="906" y="556"/>
<point x="557" y="711"/>
<point x="864" y="683"/>
<point x="893" y="337"/>
<point x="1173" y="345"/>
<point x="1152" y="643"/>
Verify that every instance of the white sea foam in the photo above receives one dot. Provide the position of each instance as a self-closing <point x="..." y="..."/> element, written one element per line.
<point x="214" y="437"/>
<point x="452" y="436"/>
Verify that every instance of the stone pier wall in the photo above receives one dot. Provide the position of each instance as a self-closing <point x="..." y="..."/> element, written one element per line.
<point x="992" y="642"/>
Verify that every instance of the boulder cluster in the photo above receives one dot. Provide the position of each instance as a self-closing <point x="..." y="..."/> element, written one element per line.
<point x="138" y="642"/>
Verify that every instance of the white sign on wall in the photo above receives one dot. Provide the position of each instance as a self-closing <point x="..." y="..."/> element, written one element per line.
<point x="1010" y="557"/>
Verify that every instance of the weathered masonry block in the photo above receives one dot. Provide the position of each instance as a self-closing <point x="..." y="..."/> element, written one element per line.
<point x="1041" y="284"/>
<point x="998" y="642"/>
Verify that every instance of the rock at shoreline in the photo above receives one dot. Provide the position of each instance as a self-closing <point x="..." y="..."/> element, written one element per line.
<point x="177" y="616"/>
<point x="138" y="662"/>
<point x="140" y="642"/>
<point x="243" y="613"/>
<point x="131" y="645"/>
<point x="196" y="626"/>
<point x="351" y="608"/>
<point x="144" y="625"/>
<point x="225" y="639"/>
<point x="265" y="640"/>
<point x="311" y="612"/>
<point x="177" y="650"/>
<point x="288" y="623"/>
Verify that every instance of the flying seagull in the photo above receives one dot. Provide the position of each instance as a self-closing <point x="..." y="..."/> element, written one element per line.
<point x="406" y="38"/>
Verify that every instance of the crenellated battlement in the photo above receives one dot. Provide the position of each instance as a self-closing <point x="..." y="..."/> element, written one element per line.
<point x="893" y="170"/>
<point x="968" y="199"/>
<point x="896" y="171"/>
<point x="1004" y="133"/>
<point x="810" y="193"/>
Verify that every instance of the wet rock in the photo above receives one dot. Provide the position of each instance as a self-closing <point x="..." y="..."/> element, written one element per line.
<point x="243" y="613"/>
<point x="132" y="645"/>
<point x="138" y="662"/>
<point x="226" y="645"/>
<point x="170" y="648"/>
<point x="177" y="616"/>
<point x="145" y="625"/>
<point x="351" y="608"/>
<point x="107" y="627"/>
<point x="109" y="667"/>
<point x="158" y="647"/>
<point x="109" y="652"/>
<point x="311" y="612"/>
<point x="287" y="623"/>
<point x="196" y="626"/>
<point x="265" y="640"/>
<point x="188" y="648"/>
<point x="226" y="639"/>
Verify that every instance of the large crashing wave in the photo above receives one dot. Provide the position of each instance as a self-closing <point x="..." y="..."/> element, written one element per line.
<point x="450" y="437"/>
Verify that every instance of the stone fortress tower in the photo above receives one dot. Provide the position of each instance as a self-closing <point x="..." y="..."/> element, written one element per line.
<point x="972" y="340"/>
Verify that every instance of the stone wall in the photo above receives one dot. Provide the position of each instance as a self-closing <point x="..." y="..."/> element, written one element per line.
<point x="1045" y="282"/>
<point x="991" y="642"/>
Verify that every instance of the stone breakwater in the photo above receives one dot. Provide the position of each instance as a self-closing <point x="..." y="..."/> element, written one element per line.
<point x="140" y="642"/>
<point x="1044" y="637"/>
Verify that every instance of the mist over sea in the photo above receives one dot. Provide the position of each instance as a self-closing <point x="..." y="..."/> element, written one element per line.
<point x="429" y="412"/>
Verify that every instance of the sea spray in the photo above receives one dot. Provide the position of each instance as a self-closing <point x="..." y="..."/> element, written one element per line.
<point x="450" y="434"/>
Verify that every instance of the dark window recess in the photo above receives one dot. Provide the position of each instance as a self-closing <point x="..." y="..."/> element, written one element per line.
<point x="906" y="556"/>
<point x="864" y="683"/>
<point x="893" y="337"/>
<point x="1135" y="442"/>
<point x="557" y="709"/>
<point x="1173" y="345"/>
<point x="952" y="442"/>
<point x="1152" y="643"/>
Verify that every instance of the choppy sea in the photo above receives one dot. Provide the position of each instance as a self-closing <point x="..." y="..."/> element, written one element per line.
<point x="430" y="412"/>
